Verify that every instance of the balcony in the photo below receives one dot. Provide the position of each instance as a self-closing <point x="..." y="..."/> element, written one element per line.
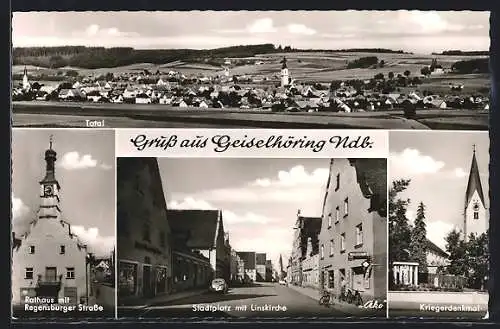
<point x="48" y="286"/>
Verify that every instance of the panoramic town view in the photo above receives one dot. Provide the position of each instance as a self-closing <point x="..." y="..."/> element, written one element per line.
<point x="275" y="238"/>
<point x="438" y="225"/>
<point x="355" y="69"/>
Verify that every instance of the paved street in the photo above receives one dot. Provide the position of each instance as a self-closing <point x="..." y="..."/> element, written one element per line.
<point x="246" y="302"/>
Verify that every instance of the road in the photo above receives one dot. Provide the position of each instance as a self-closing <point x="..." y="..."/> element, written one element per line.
<point x="156" y="116"/>
<point x="244" y="302"/>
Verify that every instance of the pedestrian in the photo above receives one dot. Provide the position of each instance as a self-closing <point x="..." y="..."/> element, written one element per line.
<point x="343" y="287"/>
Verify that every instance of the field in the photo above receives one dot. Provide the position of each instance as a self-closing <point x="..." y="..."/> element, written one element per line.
<point x="319" y="67"/>
<point x="149" y="116"/>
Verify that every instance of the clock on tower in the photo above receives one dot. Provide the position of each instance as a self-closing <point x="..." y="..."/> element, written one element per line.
<point x="48" y="190"/>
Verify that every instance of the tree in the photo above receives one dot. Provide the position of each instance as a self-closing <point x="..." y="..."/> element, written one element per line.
<point x="382" y="63"/>
<point x="109" y="76"/>
<point x="457" y="249"/>
<point x="379" y="76"/>
<point x="407" y="73"/>
<point x="399" y="228"/>
<point x="418" y="242"/>
<point x="391" y="75"/>
<point x="477" y="252"/>
<point x="425" y="71"/>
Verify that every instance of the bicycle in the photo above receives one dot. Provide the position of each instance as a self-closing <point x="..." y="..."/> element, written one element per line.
<point x="325" y="299"/>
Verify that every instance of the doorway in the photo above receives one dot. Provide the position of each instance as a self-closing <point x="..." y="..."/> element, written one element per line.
<point x="146" y="281"/>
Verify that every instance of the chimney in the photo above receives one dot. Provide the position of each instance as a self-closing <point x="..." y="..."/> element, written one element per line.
<point x="298" y="212"/>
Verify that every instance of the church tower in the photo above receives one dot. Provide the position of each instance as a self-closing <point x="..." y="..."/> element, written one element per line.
<point x="475" y="211"/>
<point x="49" y="260"/>
<point x="26" y="83"/>
<point x="49" y="187"/>
<point x="285" y="77"/>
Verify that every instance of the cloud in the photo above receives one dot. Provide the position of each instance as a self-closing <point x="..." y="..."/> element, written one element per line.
<point x="95" y="30"/>
<point x="437" y="231"/>
<point x="300" y="29"/>
<point x="460" y="173"/>
<point x="19" y="209"/>
<point x="75" y="161"/>
<point x="294" y="177"/>
<point x="96" y="243"/>
<point x="262" y="25"/>
<point x="229" y="217"/>
<point x="411" y="162"/>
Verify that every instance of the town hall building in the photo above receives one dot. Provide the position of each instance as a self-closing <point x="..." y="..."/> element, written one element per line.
<point x="48" y="260"/>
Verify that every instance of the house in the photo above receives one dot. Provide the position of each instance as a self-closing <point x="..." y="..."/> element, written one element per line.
<point x="203" y="232"/>
<point x="117" y="99"/>
<point x="48" y="259"/>
<point x="143" y="232"/>
<point x="260" y="266"/>
<point x="437" y="258"/>
<point x="438" y="103"/>
<point x="306" y="228"/>
<point x="249" y="261"/>
<point x="71" y="94"/>
<point x="142" y="98"/>
<point x="94" y="96"/>
<point x="353" y="235"/>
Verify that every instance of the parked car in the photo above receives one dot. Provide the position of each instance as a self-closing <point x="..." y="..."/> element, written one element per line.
<point x="282" y="282"/>
<point x="219" y="285"/>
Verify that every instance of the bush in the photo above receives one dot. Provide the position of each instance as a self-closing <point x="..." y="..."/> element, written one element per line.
<point x="363" y="62"/>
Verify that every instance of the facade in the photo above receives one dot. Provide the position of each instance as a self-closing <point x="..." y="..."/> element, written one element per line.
<point x="437" y="258"/>
<point x="306" y="228"/>
<point x="260" y="266"/>
<point x="310" y="265"/>
<point x="475" y="211"/>
<point x="144" y="237"/>
<point x="49" y="260"/>
<point x="353" y="237"/>
<point x="249" y="261"/>
<point x="202" y="231"/>
<point x="269" y="271"/>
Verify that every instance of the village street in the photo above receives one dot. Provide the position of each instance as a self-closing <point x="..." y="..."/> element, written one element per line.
<point x="232" y="305"/>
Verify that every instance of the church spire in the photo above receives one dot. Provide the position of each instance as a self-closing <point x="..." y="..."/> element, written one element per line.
<point x="474" y="183"/>
<point x="50" y="160"/>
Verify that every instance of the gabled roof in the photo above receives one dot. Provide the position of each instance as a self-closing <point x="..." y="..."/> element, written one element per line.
<point x="474" y="183"/>
<point x="197" y="228"/>
<point x="371" y="176"/>
<point x="431" y="246"/>
<point x="248" y="258"/>
<point x="309" y="229"/>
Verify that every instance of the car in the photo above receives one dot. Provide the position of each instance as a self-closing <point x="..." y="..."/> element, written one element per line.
<point x="219" y="285"/>
<point x="282" y="282"/>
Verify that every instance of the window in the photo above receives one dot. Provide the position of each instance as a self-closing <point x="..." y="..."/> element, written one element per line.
<point x="346" y="206"/>
<point x="476" y="215"/>
<point x="329" y="220"/>
<point x="338" y="183"/>
<point x="31" y="249"/>
<point x="322" y="251"/>
<point x="70" y="272"/>
<point x="337" y="214"/>
<point x="331" y="279"/>
<point x="359" y="235"/>
<point x="62" y="249"/>
<point x="331" y="248"/>
<point x="28" y="273"/>
<point x="145" y="232"/>
<point x="342" y="242"/>
<point x="162" y="239"/>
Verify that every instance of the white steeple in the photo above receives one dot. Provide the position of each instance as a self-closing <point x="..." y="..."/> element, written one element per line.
<point x="285" y="77"/>
<point x="26" y="83"/>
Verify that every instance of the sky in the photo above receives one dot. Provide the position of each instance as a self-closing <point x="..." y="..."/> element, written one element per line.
<point x="259" y="198"/>
<point x="438" y="164"/>
<point x="85" y="169"/>
<point x="414" y="31"/>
